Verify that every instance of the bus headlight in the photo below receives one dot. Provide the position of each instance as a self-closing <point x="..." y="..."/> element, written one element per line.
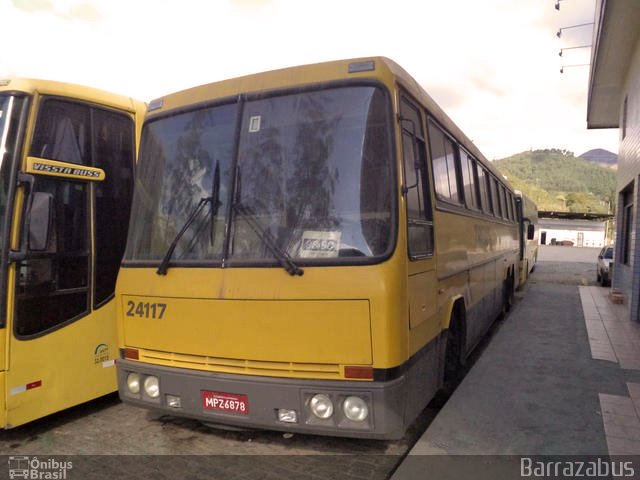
<point x="133" y="383"/>
<point x="355" y="409"/>
<point x="152" y="387"/>
<point x="321" y="406"/>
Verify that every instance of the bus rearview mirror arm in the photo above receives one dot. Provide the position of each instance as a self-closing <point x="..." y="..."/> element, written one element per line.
<point x="25" y="181"/>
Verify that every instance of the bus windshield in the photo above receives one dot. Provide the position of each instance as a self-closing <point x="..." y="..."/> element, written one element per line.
<point x="307" y="176"/>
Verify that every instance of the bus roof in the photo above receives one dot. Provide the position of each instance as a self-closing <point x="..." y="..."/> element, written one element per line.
<point x="80" y="92"/>
<point x="372" y="68"/>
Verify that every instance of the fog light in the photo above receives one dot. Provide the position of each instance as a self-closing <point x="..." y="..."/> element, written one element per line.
<point x="173" y="401"/>
<point x="152" y="387"/>
<point x="355" y="409"/>
<point x="288" y="416"/>
<point x="133" y="383"/>
<point x="321" y="406"/>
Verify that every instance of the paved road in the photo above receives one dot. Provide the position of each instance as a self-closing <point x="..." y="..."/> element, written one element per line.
<point x="566" y="265"/>
<point x="144" y="445"/>
<point x="108" y="427"/>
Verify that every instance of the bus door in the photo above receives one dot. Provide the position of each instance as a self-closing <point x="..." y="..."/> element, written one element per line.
<point x="76" y="181"/>
<point x="422" y="282"/>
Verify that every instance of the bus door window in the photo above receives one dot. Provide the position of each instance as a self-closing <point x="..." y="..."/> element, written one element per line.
<point x="416" y="184"/>
<point x="53" y="281"/>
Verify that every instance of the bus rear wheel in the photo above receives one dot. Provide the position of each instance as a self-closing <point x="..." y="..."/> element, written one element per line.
<point x="508" y="293"/>
<point x="454" y="353"/>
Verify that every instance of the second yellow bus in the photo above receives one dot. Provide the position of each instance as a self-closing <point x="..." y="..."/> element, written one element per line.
<point x="67" y="159"/>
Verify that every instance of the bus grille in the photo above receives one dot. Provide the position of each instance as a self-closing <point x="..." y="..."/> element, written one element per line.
<point x="241" y="366"/>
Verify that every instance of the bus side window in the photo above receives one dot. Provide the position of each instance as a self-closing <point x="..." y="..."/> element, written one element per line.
<point x="470" y="181"/>
<point x="114" y="153"/>
<point x="445" y="170"/>
<point x="416" y="183"/>
<point x="495" y="199"/>
<point x="485" y="198"/>
<point x="61" y="132"/>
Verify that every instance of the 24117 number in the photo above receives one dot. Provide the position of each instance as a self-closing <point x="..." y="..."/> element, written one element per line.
<point x="146" y="309"/>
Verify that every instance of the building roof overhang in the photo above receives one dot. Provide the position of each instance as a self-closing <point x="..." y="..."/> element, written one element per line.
<point x="615" y="35"/>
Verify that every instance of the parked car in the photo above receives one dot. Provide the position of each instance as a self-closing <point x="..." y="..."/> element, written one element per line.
<point x="605" y="265"/>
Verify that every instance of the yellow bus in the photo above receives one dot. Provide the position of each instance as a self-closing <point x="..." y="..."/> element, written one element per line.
<point x="66" y="182"/>
<point x="527" y="213"/>
<point x="313" y="249"/>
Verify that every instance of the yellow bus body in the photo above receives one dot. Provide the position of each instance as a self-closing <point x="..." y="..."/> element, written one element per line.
<point x="282" y="338"/>
<point x="48" y="368"/>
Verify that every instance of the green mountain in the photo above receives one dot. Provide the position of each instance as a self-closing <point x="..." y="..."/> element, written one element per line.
<point x="559" y="181"/>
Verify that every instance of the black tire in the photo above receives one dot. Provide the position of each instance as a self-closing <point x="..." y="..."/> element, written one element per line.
<point x="454" y="354"/>
<point x="508" y="293"/>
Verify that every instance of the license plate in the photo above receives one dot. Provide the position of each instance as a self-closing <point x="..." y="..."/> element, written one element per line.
<point x="225" y="402"/>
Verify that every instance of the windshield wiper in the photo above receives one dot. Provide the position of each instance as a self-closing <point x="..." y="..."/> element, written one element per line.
<point x="164" y="265"/>
<point x="281" y="255"/>
<point x="215" y="203"/>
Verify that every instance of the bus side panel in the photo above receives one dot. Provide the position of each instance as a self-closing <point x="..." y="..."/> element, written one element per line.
<point x="481" y="307"/>
<point x="424" y="366"/>
<point x="3" y="397"/>
<point x="63" y="368"/>
<point x="423" y="378"/>
<point x="3" y="348"/>
<point x="424" y="323"/>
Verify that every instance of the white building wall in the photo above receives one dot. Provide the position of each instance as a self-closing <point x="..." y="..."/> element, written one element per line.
<point x="582" y="233"/>
<point x="589" y="238"/>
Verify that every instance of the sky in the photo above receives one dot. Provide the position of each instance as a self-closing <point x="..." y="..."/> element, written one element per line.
<point x="492" y="65"/>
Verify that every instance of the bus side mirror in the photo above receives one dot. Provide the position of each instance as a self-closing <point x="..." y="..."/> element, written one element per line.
<point x="531" y="230"/>
<point x="40" y="220"/>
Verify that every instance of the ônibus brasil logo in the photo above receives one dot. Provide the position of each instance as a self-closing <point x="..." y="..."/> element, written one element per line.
<point x="34" y="468"/>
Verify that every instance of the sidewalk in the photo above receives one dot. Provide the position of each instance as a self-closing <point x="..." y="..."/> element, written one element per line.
<point x="615" y="339"/>
<point x="561" y="376"/>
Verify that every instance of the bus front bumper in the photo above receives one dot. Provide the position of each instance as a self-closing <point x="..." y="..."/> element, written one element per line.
<point x="259" y="402"/>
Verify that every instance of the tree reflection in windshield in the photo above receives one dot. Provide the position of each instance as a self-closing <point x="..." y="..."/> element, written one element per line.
<point x="284" y="167"/>
<point x="178" y="157"/>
